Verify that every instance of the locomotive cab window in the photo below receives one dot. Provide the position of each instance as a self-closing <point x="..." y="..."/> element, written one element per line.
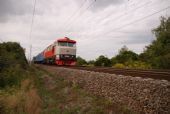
<point x="62" y="43"/>
<point x="68" y="44"/>
<point x="71" y="44"/>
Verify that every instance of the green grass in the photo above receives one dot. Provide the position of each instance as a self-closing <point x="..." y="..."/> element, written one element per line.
<point x="56" y="97"/>
<point x="68" y="98"/>
<point x="20" y="97"/>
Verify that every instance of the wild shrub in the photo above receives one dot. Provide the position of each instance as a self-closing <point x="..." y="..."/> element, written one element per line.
<point x="12" y="64"/>
<point x="119" y="65"/>
<point x="137" y="65"/>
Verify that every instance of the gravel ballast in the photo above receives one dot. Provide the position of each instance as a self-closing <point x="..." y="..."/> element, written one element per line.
<point x="143" y="96"/>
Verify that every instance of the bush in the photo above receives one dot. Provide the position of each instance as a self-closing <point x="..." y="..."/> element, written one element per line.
<point x="102" y="61"/>
<point x="11" y="76"/>
<point x="138" y="65"/>
<point x="81" y="61"/>
<point x="11" y="53"/>
<point x="119" y="65"/>
<point x="12" y="64"/>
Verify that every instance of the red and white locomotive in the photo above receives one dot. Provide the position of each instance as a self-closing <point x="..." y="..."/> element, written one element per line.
<point x="61" y="52"/>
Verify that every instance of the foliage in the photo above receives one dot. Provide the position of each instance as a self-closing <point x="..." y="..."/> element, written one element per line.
<point x="158" y="53"/>
<point x="118" y="65"/>
<point x="12" y="64"/>
<point x="124" y="56"/>
<point x="68" y="97"/>
<point x="102" y="61"/>
<point x="137" y="65"/>
<point x="91" y="62"/>
<point x="80" y="61"/>
<point x="11" y="53"/>
<point x="133" y="64"/>
<point x="22" y="99"/>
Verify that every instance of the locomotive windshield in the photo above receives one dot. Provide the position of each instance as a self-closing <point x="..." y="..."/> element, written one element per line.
<point x="68" y="44"/>
<point x="71" y="44"/>
<point x="62" y="43"/>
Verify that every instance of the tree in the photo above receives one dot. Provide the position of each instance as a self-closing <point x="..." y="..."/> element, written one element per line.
<point x="11" y="53"/>
<point x="124" y="56"/>
<point x="12" y="64"/>
<point x="102" y="61"/>
<point x="81" y="61"/>
<point x="158" y="53"/>
<point x="91" y="62"/>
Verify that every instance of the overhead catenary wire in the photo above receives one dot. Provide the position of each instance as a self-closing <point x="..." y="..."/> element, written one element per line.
<point x="138" y="20"/>
<point x="130" y="11"/>
<point x="138" y="7"/>
<point x="70" y="18"/>
<point x="80" y="14"/>
<point x="134" y="9"/>
<point x="30" y="33"/>
<point x="79" y="9"/>
<point x="141" y="19"/>
<point x="130" y="22"/>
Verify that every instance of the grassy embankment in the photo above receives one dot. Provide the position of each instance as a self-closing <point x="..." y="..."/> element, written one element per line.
<point x="18" y="93"/>
<point x="32" y="90"/>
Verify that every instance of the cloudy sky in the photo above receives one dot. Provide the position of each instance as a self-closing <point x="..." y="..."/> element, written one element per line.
<point x="100" y="27"/>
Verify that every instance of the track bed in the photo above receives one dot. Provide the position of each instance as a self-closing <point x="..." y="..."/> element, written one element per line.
<point x="154" y="73"/>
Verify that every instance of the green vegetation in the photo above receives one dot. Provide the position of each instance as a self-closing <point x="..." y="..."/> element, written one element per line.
<point x="33" y="90"/>
<point x="30" y="90"/>
<point x="156" y="55"/>
<point x="124" y="56"/>
<point x="60" y="96"/>
<point x="11" y="53"/>
<point x="102" y="61"/>
<point x="18" y="94"/>
<point x="12" y="64"/>
<point x="80" y="61"/>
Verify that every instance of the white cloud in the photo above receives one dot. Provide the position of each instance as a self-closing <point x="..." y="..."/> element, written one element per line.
<point x="101" y="29"/>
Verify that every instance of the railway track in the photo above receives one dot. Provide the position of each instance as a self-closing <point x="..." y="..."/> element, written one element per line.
<point x="154" y="73"/>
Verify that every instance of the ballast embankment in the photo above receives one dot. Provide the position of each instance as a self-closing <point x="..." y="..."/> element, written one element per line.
<point x="143" y="96"/>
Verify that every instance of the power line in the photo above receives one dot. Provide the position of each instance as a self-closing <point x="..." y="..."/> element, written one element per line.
<point x="138" y="7"/>
<point x="134" y="9"/>
<point x="70" y="18"/>
<point x="139" y="19"/>
<point x="69" y="26"/>
<point x="32" y="22"/>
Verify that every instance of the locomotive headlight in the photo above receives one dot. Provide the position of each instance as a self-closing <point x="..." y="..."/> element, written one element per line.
<point x="57" y="56"/>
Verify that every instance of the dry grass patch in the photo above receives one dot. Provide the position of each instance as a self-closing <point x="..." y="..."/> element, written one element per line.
<point x="23" y="100"/>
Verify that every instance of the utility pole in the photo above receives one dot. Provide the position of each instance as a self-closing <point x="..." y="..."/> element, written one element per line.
<point x="30" y="58"/>
<point x="32" y="22"/>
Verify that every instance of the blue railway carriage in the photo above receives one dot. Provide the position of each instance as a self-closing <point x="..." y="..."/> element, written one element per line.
<point x="39" y="58"/>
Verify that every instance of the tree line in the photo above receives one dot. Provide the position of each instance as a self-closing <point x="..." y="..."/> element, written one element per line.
<point x="156" y="55"/>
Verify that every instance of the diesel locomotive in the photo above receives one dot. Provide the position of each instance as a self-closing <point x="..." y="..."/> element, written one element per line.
<point x="61" y="52"/>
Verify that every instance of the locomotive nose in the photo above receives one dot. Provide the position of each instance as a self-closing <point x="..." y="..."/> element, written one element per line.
<point x="70" y="51"/>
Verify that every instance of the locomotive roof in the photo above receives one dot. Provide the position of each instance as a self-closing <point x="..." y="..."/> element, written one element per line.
<point x="66" y="39"/>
